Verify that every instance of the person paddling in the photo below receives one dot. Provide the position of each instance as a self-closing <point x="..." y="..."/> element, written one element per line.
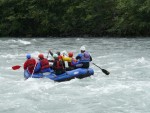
<point x="58" y="65"/>
<point x="43" y="65"/>
<point x="84" y="59"/>
<point x="60" y="57"/>
<point x="58" y="53"/>
<point x="29" y="64"/>
<point x="71" y="61"/>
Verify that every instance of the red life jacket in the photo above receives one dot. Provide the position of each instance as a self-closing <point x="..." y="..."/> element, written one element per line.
<point x="59" y="65"/>
<point x="30" y="63"/>
<point x="60" y="57"/>
<point x="44" y="64"/>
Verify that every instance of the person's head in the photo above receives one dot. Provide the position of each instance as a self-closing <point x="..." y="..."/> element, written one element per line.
<point x="28" y="56"/>
<point x="55" y="56"/>
<point x="70" y="54"/>
<point x="58" y="53"/>
<point x="82" y="49"/>
<point x="41" y="56"/>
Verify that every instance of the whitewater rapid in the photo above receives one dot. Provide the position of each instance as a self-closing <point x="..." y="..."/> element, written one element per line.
<point x="125" y="90"/>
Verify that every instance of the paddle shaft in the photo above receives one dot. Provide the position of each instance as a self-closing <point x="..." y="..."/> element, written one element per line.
<point x="33" y="70"/>
<point x="47" y="55"/>
<point x="96" y="65"/>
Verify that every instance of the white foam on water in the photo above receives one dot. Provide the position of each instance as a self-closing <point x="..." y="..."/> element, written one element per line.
<point x="78" y="39"/>
<point x="142" y="60"/>
<point x="19" y="41"/>
<point x="24" y="42"/>
<point x="13" y="56"/>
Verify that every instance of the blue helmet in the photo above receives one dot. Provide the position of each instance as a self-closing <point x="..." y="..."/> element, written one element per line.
<point x="28" y="56"/>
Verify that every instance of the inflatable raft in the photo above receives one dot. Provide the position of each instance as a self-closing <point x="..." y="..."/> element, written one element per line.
<point x="68" y="75"/>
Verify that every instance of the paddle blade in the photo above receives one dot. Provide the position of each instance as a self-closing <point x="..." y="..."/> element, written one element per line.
<point x="105" y="71"/>
<point x="16" y="67"/>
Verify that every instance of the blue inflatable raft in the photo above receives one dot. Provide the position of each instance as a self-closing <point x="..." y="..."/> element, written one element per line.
<point x="77" y="73"/>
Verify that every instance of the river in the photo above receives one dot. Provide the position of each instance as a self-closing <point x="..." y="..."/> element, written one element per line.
<point x="125" y="90"/>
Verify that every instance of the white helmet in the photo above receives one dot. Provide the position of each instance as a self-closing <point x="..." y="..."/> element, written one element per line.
<point x="55" y="55"/>
<point x="82" y="48"/>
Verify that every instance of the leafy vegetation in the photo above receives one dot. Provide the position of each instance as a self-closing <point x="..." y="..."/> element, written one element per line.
<point x="74" y="17"/>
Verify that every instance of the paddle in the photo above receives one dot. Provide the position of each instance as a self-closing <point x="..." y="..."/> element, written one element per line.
<point x="47" y="55"/>
<point x="33" y="70"/>
<point x="16" y="67"/>
<point x="103" y="70"/>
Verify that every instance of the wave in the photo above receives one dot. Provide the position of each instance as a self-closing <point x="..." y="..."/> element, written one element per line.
<point x="20" y="41"/>
<point x="24" y="42"/>
<point x="11" y="55"/>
